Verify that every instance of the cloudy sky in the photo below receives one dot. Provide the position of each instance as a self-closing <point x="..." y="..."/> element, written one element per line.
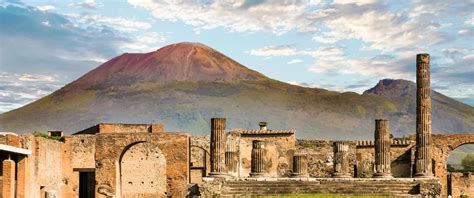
<point x="342" y="45"/>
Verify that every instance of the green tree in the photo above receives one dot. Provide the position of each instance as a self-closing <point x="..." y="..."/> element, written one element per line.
<point x="468" y="162"/>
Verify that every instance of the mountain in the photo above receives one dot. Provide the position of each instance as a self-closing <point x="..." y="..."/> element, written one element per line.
<point x="185" y="84"/>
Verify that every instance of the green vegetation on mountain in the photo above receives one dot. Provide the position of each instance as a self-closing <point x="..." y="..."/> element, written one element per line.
<point x="186" y="84"/>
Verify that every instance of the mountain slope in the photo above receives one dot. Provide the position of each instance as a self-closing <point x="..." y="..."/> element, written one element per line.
<point x="185" y="84"/>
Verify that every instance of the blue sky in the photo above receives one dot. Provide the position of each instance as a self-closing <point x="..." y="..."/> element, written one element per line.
<point x="341" y="45"/>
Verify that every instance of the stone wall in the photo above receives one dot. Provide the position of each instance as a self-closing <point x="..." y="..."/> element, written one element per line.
<point x="45" y="168"/>
<point x="460" y="184"/>
<point x="110" y="148"/>
<point x="320" y="156"/>
<point x="123" y="128"/>
<point x="200" y="157"/>
<point x="401" y="157"/>
<point x="441" y="149"/>
<point x="278" y="157"/>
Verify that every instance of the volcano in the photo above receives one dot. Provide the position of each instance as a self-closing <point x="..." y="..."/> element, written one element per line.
<point x="184" y="85"/>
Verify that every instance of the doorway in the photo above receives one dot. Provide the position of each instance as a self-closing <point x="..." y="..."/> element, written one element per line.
<point x="86" y="184"/>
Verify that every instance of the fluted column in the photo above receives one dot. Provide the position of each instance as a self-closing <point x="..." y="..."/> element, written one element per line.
<point x="231" y="155"/>
<point x="423" y="117"/>
<point x="218" y="146"/>
<point x="258" y="159"/>
<point x="382" y="149"/>
<point x="300" y="166"/>
<point x="341" y="161"/>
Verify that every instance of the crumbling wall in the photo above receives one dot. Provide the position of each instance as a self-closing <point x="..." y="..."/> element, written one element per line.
<point x="81" y="149"/>
<point x="280" y="149"/>
<point x="401" y="157"/>
<point x="461" y="184"/>
<point x="110" y="147"/>
<point x="200" y="159"/>
<point x="320" y="156"/>
<point x="45" y="167"/>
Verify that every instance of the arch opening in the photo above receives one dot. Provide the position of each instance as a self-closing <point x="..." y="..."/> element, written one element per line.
<point x="460" y="169"/>
<point x="142" y="168"/>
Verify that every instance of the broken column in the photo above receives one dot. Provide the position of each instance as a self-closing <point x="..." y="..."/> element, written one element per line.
<point x="300" y="166"/>
<point x="258" y="159"/>
<point x="423" y="117"/>
<point x="341" y="161"/>
<point x="231" y="155"/>
<point x="218" y="146"/>
<point x="22" y="174"/>
<point x="8" y="180"/>
<point x="382" y="149"/>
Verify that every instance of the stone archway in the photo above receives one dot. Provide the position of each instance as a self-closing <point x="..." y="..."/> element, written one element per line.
<point x="200" y="161"/>
<point x="443" y="145"/>
<point x="142" y="168"/>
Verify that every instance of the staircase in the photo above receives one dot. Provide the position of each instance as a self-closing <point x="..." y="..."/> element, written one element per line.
<point x="392" y="187"/>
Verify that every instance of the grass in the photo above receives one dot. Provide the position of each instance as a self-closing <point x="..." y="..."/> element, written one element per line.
<point x="324" y="196"/>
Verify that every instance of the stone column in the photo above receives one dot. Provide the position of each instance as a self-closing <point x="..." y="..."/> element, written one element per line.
<point x="382" y="149"/>
<point x="22" y="176"/>
<point x="231" y="156"/>
<point x="8" y="185"/>
<point x="258" y="159"/>
<point x="341" y="161"/>
<point x="300" y="166"/>
<point x="423" y="117"/>
<point x="218" y="146"/>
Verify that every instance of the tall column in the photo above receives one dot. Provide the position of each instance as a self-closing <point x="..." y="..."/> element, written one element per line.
<point x="258" y="159"/>
<point x="382" y="149"/>
<point x="341" y="161"/>
<point x="423" y="117"/>
<point x="22" y="176"/>
<point x="8" y="185"/>
<point x="300" y="166"/>
<point x="218" y="141"/>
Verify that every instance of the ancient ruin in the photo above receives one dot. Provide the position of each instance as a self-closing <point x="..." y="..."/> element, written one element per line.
<point x="382" y="149"/>
<point x="142" y="160"/>
<point x="423" y="116"/>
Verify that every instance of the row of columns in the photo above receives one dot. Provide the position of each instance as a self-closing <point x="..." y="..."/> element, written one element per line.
<point x="14" y="186"/>
<point x="223" y="154"/>
<point x="423" y="167"/>
<point x="222" y="159"/>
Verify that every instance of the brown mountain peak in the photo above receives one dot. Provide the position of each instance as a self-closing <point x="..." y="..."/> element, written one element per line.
<point x="185" y="62"/>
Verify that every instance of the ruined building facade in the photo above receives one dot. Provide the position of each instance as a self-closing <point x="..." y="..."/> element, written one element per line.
<point x="142" y="160"/>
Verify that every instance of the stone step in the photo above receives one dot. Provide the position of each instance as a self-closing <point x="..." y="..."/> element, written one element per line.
<point x="319" y="187"/>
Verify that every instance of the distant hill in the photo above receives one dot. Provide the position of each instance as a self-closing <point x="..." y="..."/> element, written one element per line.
<point x="185" y="84"/>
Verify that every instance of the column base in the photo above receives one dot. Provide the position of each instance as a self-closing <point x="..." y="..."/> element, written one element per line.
<point x="299" y="175"/>
<point x="215" y="174"/>
<point x="383" y="175"/>
<point x="257" y="174"/>
<point x="423" y="175"/>
<point x="341" y="175"/>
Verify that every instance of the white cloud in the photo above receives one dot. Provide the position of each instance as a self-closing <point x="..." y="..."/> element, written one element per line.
<point x="118" y="23"/>
<point x="17" y="90"/>
<point x="46" y="8"/>
<point x="89" y="4"/>
<point x="36" y="78"/>
<point x="146" y="42"/>
<point x="357" y="2"/>
<point x="333" y="59"/>
<point x="470" y="20"/>
<point x="46" y="23"/>
<point x="268" y="51"/>
<point x="294" y="61"/>
<point x="238" y="16"/>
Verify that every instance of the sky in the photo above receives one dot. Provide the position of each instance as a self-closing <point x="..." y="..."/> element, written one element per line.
<point x="340" y="45"/>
